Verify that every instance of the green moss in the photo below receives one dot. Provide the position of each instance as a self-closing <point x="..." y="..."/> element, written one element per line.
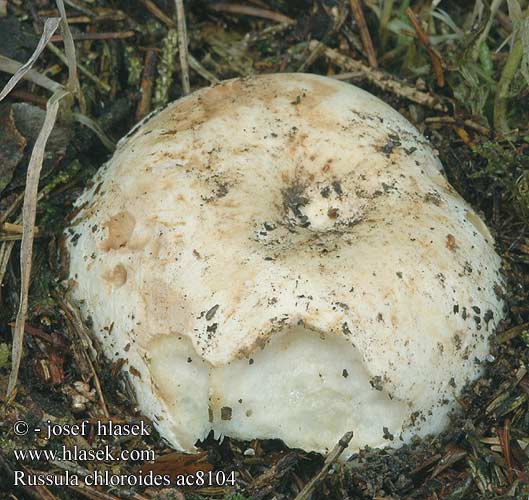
<point x="504" y="169"/>
<point x="4" y="355"/>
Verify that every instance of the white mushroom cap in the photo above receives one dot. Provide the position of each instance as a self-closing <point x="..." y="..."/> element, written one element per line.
<point x="281" y="257"/>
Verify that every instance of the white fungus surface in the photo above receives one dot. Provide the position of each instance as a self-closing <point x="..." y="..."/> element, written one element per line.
<point x="281" y="257"/>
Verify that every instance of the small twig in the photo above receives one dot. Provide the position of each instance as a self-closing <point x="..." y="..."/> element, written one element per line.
<point x="113" y="35"/>
<point x="11" y="66"/>
<point x="510" y="334"/>
<point x="113" y="16"/>
<point x="382" y="80"/>
<point x="360" y="19"/>
<point x="305" y="493"/>
<point x="22" y="95"/>
<point x="425" y="40"/>
<point x="83" y="342"/>
<point x="29" y="213"/>
<point x="50" y="27"/>
<point x="156" y="12"/>
<point x="98" y="388"/>
<point x="505" y="442"/>
<point x="349" y="75"/>
<point x="46" y="337"/>
<point x="147" y="82"/>
<point x="316" y="48"/>
<point x="182" y="45"/>
<point x="449" y="120"/>
<point x="274" y="474"/>
<point x="247" y="10"/>
<point x="7" y="227"/>
<point x="12" y="208"/>
<point x="452" y="456"/>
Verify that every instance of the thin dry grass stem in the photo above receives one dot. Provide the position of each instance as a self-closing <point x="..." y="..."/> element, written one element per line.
<point x="50" y="26"/>
<point x="182" y="45"/>
<point x="382" y="80"/>
<point x="8" y="65"/>
<point x="83" y="348"/>
<point x="96" y="129"/>
<point x="203" y="72"/>
<point x="29" y="211"/>
<point x="494" y="7"/>
<point x="425" y="40"/>
<point x="113" y="35"/>
<point x="158" y="13"/>
<point x="69" y="48"/>
<point x="80" y="8"/>
<point x="367" y="43"/>
<point x="306" y="492"/>
<point x="247" y="10"/>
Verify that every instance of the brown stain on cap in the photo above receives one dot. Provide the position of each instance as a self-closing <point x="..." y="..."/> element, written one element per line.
<point x="116" y="276"/>
<point x="119" y="230"/>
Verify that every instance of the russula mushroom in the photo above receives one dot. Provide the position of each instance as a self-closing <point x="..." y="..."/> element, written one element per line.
<point x="280" y="256"/>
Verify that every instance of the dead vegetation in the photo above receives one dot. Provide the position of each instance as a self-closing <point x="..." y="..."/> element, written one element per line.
<point x="458" y="71"/>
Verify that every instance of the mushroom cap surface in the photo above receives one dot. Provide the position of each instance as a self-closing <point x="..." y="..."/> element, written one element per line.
<point x="280" y="256"/>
